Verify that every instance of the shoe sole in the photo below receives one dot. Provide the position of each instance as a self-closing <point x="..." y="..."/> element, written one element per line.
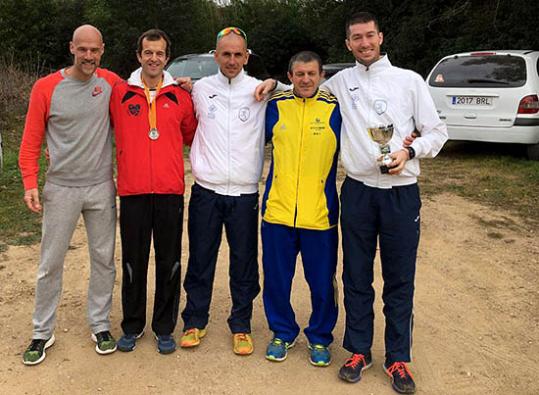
<point x="120" y="348"/>
<point x="393" y="382"/>
<point x="274" y="359"/>
<point x="48" y="344"/>
<point x="191" y="345"/>
<point x="164" y="351"/>
<point x="244" y="353"/>
<point x="360" y="376"/>
<point x="319" y="364"/>
<point x="100" y="351"/>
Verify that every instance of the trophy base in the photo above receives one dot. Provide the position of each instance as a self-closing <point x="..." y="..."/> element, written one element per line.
<point x="384" y="169"/>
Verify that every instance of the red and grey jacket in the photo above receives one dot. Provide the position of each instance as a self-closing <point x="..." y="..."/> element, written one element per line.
<point x="148" y="165"/>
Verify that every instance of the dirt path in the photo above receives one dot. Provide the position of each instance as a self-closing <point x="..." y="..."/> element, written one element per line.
<point x="476" y="323"/>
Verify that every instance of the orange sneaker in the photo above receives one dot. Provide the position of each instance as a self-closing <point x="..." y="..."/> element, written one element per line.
<point x="243" y="344"/>
<point x="191" y="337"/>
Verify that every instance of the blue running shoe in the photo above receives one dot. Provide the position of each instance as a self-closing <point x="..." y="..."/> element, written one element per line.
<point x="128" y="342"/>
<point x="320" y="355"/>
<point x="277" y="350"/>
<point x="165" y="344"/>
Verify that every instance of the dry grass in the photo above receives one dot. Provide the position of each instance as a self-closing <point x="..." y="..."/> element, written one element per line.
<point x="17" y="224"/>
<point x="497" y="175"/>
<point x="15" y="85"/>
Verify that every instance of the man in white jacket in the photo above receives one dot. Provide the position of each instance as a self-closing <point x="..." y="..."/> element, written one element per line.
<point x="226" y="159"/>
<point x="378" y="206"/>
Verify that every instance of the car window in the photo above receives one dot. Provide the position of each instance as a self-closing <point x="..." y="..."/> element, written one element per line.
<point x="480" y="71"/>
<point x="196" y="67"/>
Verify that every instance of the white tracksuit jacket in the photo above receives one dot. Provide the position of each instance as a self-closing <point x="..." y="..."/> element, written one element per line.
<point x="228" y="149"/>
<point x="382" y="94"/>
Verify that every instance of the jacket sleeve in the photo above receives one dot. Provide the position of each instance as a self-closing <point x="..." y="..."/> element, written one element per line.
<point x="33" y="135"/>
<point x="433" y="130"/>
<point x="189" y="121"/>
<point x="335" y="122"/>
<point x="272" y="116"/>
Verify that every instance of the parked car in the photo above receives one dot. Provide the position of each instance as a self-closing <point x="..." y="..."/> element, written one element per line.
<point x="489" y="96"/>
<point x="201" y="65"/>
<point x="331" y="69"/>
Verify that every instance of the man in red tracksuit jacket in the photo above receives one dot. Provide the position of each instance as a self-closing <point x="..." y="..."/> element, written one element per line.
<point x="153" y="118"/>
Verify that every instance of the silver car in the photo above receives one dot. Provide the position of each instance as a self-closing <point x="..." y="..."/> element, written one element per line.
<point x="489" y="96"/>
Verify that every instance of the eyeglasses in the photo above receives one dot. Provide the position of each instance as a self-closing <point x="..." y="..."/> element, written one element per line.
<point x="231" y="29"/>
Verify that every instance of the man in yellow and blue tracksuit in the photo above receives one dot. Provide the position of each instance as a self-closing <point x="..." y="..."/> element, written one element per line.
<point x="300" y="208"/>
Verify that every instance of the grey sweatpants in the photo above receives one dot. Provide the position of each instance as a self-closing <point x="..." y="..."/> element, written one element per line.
<point x="62" y="207"/>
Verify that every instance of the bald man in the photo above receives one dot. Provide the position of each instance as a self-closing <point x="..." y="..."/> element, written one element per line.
<point x="70" y="108"/>
<point x="226" y="159"/>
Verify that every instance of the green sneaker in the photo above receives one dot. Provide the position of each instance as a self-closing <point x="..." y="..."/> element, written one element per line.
<point x="104" y="343"/>
<point x="35" y="353"/>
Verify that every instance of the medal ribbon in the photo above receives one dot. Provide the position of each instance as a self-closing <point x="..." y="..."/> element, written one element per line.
<point x="152" y="112"/>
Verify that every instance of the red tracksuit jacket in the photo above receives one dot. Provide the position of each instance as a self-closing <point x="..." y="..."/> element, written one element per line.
<point x="145" y="165"/>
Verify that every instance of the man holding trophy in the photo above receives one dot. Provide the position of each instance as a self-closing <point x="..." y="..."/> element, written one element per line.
<point x="381" y="105"/>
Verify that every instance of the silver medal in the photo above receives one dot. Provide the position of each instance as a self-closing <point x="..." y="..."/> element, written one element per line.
<point x="153" y="134"/>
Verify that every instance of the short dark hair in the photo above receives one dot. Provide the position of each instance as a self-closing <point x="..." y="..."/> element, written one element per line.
<point x="153" y="35"/>
<point x="305" y="57"/>
<point x="361" y="17"/>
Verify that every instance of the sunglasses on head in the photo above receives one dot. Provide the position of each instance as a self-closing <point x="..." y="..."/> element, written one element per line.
<point x="231" y="29"/>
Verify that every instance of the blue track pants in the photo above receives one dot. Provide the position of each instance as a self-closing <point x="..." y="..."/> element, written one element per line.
<point x="281" y="245"/>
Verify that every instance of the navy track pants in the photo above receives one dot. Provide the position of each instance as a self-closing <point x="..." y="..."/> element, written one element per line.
<point x="208" y="212"/>
<point x="390" y="216"/>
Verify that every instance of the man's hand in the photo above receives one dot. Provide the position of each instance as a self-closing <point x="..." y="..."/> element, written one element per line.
<point x="399" y="159"/>
<point x="408" y="140"/>
<point x="263" y="89"/>
<point x="185" y="83"/>
<point x="31" y="198"/>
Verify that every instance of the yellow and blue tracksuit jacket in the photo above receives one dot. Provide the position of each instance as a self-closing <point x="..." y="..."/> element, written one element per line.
<point x="300" y="188"/>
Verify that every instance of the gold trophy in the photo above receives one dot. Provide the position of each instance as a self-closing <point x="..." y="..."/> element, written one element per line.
<point x="382" y="135"/>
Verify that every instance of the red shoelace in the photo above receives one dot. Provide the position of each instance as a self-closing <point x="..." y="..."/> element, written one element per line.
<point x="354" y="360"/>
<point x="401" y="368"/>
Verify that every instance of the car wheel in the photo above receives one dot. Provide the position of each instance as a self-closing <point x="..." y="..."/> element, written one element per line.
<point x="533" y="151"/>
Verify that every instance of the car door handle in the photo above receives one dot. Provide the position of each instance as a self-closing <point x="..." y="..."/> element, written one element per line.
<point x="470" y="116"/>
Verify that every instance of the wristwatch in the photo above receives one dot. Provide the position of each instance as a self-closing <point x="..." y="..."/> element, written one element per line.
<point x="411" y="153"/>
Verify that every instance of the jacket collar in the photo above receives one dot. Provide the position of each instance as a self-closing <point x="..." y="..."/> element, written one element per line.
<point x="380" y="65"/>
<point x="234" y="81"/>
<point x="307" y="99"/>
<point x="136" y="79"/>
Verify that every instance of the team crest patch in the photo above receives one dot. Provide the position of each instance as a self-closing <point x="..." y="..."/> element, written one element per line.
<point x="380" y="106"/>
<point x="244" y="114"/>
<point x="355" y="100"/>
<point x="213" y="110"/>
<point x="134" y="109"/>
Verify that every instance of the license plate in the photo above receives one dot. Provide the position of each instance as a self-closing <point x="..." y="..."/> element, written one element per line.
<point x="471" y="101"/>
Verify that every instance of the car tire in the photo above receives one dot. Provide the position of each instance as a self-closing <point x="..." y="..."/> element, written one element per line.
<point x="533" y="151"/>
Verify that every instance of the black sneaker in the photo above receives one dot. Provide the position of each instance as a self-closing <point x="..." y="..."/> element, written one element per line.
<point x="35" y="353"/>
<point x="401" y="378"/>
<point x="104" y="343"/>
<point x="354" y="366"/>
